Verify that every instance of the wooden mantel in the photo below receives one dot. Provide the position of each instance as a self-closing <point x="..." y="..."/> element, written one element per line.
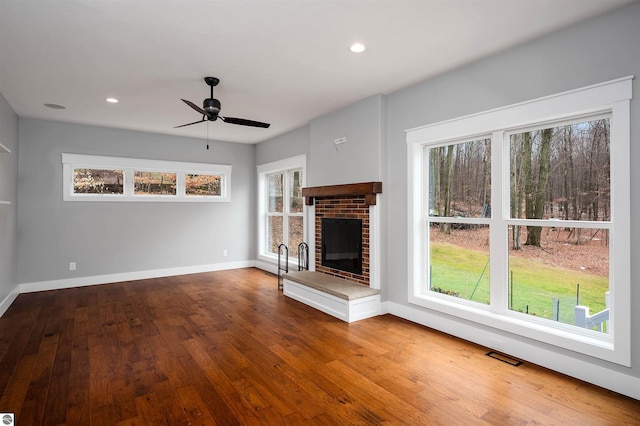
<point x="368" y="189"/>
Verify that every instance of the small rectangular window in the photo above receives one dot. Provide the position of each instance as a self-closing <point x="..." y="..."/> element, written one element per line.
<point x="203" y="185"/>
<point x="154" y="183"/>
<point x="98" y="181"/>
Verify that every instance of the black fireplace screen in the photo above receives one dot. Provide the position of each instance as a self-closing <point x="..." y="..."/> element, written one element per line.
<point x="342" y="244"/>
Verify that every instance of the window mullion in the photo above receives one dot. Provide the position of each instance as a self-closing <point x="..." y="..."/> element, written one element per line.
<point x="499" y="233"/>
<point x="128" y="182"/>
<point x="285" y="209"/>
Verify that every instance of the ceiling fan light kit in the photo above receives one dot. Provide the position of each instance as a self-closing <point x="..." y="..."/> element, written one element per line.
<point x="211" y="109"/>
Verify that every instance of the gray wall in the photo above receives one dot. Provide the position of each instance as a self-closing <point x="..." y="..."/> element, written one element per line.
<point x="357" y="160"/>
<point x="360" y="159"/>
<point x="121" y="237"/>
<point x="8" y="192"/>
<point x="291" y="144"/>
<point x="595" y="51"/>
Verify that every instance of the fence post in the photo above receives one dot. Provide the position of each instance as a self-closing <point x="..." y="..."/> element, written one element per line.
<point x="581" y="314"/>
<point x="555" y="308"/>
<point x="606" y="305"/>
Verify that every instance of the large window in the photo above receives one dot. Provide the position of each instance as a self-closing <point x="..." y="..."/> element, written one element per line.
<point x="281" y="212"/>
<point x="520" y="217"/>
<point x="99" y="178"/>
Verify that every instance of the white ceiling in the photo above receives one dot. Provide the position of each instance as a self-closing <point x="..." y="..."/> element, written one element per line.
<point x="280" y="61"/>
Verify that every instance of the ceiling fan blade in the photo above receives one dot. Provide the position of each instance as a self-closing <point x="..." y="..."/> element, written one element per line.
<point x="194" y="106"/>
<point x="244" y="122"/>
<point x="189" y="124"/>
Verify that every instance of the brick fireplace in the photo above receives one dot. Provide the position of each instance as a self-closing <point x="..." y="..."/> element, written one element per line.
<point x="351" y="201"/>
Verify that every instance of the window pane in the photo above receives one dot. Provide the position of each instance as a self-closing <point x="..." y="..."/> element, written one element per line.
<point x="97" y="181"/>
<point x="275" y="193"/>
<point x="460" y="179"/>
<point x="274" y="233"/>
<point x="295" y="191"/>
<point x="154" y="183"/>
<point x="570" y="267"/>
<point x="459" y="260"/>
<point x="562" y="172"/>
<point x="295" y="234"/>
<point x="203" y="185"/>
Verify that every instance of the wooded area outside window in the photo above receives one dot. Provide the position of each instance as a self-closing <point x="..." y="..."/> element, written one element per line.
<point x="459" y="182"/>
<point x="97" y="181"/>
<point x="100" y="178"/>
<point x="154" y="183"/>
<point x="281" y="206"/>
<point x="519" y="219"/>
<point x="560" y="215"/>
<point x="284" y="212"/>
<point x="203" y="185"/>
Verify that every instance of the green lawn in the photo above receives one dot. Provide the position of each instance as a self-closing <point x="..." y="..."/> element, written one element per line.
<point x="458" y="270"/>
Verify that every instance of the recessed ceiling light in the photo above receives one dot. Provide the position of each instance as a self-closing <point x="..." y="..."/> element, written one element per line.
<point x="112" y="100"/>
<point x="357" y="48"/>
<point x="55" y="106"/>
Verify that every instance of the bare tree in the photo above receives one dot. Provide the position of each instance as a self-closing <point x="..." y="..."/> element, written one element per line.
<point x="535" y="208"/>
<point x="517" y="188"/>
<point x="446" y="185"/>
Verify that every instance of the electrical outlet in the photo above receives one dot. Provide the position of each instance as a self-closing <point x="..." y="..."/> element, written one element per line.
<point x="225" y="253"/>
<point x="72" y="266"/>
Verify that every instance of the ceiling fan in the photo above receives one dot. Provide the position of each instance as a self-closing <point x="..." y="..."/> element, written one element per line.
<point x="211" y="108"/>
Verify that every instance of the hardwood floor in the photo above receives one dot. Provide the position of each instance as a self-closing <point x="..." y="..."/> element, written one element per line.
<point x="228" y="348"/>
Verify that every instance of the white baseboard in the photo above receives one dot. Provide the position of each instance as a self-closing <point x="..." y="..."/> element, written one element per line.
<point x="266" y="266"/>
<point x="4" y="305"/>
<point x="130" y="276"/>
<point x="592" y="373"/>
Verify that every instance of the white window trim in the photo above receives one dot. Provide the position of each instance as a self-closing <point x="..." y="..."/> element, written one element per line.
<point x="129" y="165"/>
<point x="609" y="97"/>
<point x="298" y="162"/>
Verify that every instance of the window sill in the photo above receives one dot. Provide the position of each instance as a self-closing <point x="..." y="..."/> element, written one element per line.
<point x="146" y="198"/>
<point x="273" y="259"/>
<point x="587" y="342"/>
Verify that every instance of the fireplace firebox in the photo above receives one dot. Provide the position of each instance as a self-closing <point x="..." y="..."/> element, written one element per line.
<point x="342" y="244"/>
